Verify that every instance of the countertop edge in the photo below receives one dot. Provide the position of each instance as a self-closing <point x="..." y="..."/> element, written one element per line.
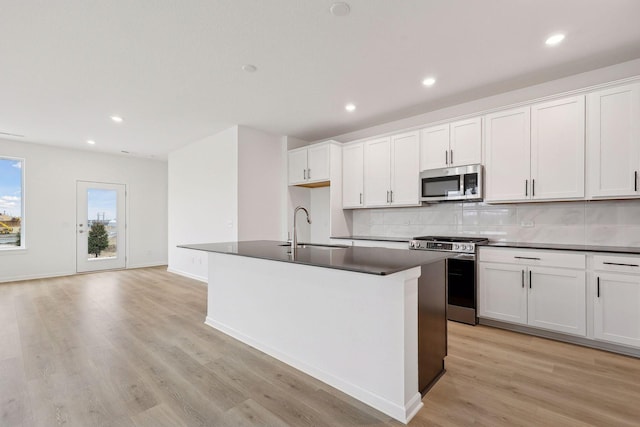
<point x="564" y="247"/>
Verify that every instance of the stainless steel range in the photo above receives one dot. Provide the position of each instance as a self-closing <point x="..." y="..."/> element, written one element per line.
<point x="461" y="273"/>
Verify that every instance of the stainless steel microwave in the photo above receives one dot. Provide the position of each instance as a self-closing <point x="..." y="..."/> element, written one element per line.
<point x="460" y="183"/>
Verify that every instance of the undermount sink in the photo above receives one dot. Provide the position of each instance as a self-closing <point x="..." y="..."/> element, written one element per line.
<point x="316" y="245"/>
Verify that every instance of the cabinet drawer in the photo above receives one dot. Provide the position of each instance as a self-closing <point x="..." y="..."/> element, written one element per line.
<point x="533" y="257"/>
<point x="623" y="264"/>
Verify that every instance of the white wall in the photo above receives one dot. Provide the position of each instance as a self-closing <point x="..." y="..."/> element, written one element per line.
<point x="226" y="187"/>
<point x="50" y="208"/>
<point x="203" y="199"/>
<point x="261" y="167"/>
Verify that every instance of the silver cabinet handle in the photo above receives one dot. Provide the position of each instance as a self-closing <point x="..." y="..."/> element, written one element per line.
<point x="387" y="196"/>
<point x="391" y="196"/>
<point x="80" y="231"/>
<point x="526" y="187"/>
<point x="451" y="156"/>
<point x="523" y="279"/>
<point x="360" y="198"/>
<point x="635" y="181"/>
<point x="304" y="174"/>
<point x="446" y="157"/>
<point x="625" y="265"/>
<point x="527" y="257"/>
<point x="598" y="288"/>
<point x="308" y="173"/>
<point x="529" y="279"/>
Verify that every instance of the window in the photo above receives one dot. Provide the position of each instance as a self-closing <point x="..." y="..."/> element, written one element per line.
<point x="11" y="203"/>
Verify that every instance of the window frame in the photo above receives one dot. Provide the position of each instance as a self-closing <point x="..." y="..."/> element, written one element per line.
<point x="23" y="246"/>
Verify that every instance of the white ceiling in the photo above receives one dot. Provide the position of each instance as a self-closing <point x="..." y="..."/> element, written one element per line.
<point x="172" y="69"/>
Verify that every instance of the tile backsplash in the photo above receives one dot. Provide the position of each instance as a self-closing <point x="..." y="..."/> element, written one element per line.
<point x="615" y="223"/>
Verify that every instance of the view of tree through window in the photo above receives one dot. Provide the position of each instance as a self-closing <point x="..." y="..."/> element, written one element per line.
<point x="11" y="215"/>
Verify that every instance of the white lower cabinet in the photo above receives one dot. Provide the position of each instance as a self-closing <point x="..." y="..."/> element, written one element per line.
<point x="616" y="302"/>
<point x="502" y="292"/>
<point x="522" y="290"/>
<point x="557" y="300"/>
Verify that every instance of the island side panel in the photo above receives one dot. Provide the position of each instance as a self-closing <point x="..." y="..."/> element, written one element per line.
<point x="354" y="331"/>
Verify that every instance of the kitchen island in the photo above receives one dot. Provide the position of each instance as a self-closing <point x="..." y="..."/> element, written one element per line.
<point x="347" y="316"/>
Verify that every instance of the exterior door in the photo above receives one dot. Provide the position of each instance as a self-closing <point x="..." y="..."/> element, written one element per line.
<point x="100" y="227"/>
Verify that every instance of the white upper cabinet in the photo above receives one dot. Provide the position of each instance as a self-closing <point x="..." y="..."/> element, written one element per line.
<point x="353" y="176"/>
<point x="557" y="149"/>
<point x="297" y="166"/>
<point x="465" y="145"/>
<point x="377" y="172"/>
<point x="434" y="147"/>
<point x="536" y="153"/>
<point x="392" y="171"/>
<point x="453" y="144"/>
<point x="507" y="153"/>
<point x="405" y="169"/>
<point x="309" y="165"/>
<point x="613" y="142"/>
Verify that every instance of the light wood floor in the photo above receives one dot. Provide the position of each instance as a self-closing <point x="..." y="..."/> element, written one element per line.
<point x="130" y="348"/>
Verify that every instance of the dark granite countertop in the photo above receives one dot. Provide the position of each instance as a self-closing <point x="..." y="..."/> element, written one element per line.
<point x="563" y="247"/>
<point x="379" y="238"/>
<point x="379" y="261"/>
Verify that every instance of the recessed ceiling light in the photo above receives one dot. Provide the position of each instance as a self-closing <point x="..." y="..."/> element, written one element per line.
<point x="554" y="39"/>
<point x="429" y="81"/>
<point x="350" y="107"/>
<point x="340" y="9"/>
<point x="116" y="119"/>
<point x="91" y="142"/>
<point x="249" y="68"/>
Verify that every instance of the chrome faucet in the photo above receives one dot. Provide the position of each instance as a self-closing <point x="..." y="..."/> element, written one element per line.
<point x="294" y="241"/>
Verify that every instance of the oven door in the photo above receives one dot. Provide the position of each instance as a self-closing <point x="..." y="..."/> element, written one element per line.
<point x="461" y="289"/>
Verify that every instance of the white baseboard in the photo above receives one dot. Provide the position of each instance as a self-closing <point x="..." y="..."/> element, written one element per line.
<point x="147" y="264"/>
<point x="402" y="414"/>
<point x="36" y="276"/>
<point x="189" y="275"/>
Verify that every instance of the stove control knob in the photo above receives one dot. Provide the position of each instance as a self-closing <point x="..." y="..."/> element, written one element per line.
<point x="456" y="247"/>
<point x="412" y="244"/>
<point x="463" y="247"/>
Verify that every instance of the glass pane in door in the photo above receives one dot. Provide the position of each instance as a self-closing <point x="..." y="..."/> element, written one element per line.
<point x="102" y="223"/>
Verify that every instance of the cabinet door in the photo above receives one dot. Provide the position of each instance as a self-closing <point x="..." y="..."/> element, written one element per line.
<point x="557" y="300"/>
<point x="352" y="176"/>
<point x="465" y="145"/>
<point x="297" y="166"/>
<point x="405" y="169"/>
<point x="503" y="295"/>
<point x="507" y="151"/>
<point x="434" y="147"/>
<point x="617" y="308"/>
<point x="377" y="172"/>
<point x="318" y="163"/>
<point x="557" y="149"/>
<point x="613" y="141"/>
